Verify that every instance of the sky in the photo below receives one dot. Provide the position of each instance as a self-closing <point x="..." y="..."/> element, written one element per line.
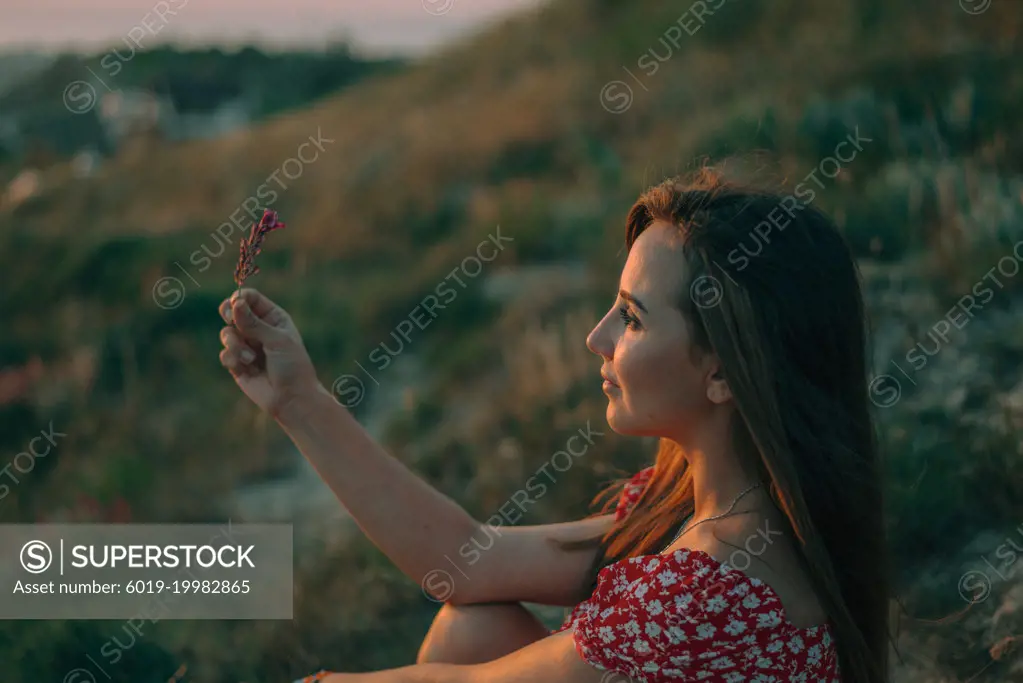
<point x="373" y="26"/>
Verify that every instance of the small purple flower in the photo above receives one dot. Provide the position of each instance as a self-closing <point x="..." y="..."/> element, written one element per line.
<point x="250" y="247"/>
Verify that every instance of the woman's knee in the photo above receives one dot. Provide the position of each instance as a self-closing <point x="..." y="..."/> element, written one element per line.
<point x="473" y="634"/>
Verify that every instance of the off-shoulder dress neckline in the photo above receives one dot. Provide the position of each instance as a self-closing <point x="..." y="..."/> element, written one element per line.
<point x="680" y="555"/>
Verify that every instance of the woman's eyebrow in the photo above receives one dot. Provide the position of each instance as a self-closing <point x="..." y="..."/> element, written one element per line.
<point x="628" y="297"/>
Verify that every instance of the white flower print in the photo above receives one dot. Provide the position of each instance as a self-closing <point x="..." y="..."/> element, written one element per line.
<point x="655" y="608"/>
<point x="683" y="601"/>
<point x="641" y="646"/>
<point x="681" y="660"/>
<point x="735" y="627"/>
<point x="676" y="635"/>
<point x="768" y="619"/>
<point x="751" y="601"/>
<point x="606" y="634"/>
<point x="705" y="630"/>
<point x="813" y="655"/>
<point x="716" y="604"/>
<point x="631" y="627"/>
<point x="734" y="677"/>
<point x="652" y="629"/>
<point x="667" y="578"/>
<point x="721" y="663"/>
<point x="796" y="644"/>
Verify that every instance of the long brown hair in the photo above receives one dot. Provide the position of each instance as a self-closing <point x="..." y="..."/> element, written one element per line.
<point x="787" y="322"/>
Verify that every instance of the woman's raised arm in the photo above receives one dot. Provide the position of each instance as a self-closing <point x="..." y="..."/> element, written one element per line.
<point x="432" y="539"/>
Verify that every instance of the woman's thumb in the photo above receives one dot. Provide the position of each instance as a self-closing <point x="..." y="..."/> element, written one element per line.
<point x="249" y="323"/>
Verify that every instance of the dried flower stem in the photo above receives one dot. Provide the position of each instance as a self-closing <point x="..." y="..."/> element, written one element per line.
<point x="252" y="245"/>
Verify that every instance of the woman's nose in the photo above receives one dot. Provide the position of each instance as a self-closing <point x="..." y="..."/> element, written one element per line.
<point x="598" y="341"/>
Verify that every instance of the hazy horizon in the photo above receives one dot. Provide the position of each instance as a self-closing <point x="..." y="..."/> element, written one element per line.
<point x="386" y="26"/>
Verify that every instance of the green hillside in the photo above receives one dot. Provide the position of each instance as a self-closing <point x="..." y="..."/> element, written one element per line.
<point x="545" y="129"/>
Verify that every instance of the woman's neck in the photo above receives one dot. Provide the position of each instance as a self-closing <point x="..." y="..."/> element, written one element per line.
<point x="720" y="476"/>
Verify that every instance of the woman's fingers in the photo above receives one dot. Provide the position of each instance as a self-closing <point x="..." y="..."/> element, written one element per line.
<point x="236" y="347"/>
<point x="229" y="360"/>
<point x="261" y="305"/>
<point x="225" y="311"/>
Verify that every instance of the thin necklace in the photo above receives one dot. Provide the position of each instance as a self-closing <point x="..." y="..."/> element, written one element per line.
<point x="685" y="524"/>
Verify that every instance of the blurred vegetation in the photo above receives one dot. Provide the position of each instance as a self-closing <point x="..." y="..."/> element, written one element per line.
<point x="425" y="164"/>
<point x="194" y="80"/>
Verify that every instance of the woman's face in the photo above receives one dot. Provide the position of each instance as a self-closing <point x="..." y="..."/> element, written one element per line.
<point x="654" y="387"/>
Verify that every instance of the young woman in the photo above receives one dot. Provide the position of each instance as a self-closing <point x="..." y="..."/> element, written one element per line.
<point x="752" y="550"/>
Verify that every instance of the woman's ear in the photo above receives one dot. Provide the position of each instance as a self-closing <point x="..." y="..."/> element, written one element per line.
<point x="717" y="386"/>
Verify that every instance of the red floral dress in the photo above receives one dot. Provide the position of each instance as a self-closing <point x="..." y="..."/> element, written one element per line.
<point x="685" y="616"/>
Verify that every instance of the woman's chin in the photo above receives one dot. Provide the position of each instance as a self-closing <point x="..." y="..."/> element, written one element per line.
<point x="623" y="423"/>
<point x="616" y="420"/>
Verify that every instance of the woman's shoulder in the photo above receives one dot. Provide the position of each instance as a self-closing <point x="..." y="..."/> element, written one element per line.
<point x="699" y="584"/>
<point x="690" y="577"/>
<point x="688" y="593"/>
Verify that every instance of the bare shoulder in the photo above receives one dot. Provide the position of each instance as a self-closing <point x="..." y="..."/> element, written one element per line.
<point x="763" y="547"/>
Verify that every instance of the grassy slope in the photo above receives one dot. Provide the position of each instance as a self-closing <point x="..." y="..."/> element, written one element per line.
<point x="507" y="130"/>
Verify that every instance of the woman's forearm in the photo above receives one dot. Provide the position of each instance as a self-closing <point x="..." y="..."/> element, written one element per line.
<point x="410" y="521"/>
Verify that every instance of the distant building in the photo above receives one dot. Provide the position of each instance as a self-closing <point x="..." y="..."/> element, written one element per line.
<point x="129" y="113"/>
<point x="125" y="113"/>
<point x="226" y="118"/>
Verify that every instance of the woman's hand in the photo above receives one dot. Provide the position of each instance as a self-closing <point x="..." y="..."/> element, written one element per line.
<point x="264" y="351"/>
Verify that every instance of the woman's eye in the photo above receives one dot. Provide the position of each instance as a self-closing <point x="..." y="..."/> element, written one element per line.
<point x="631" y="321"/>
